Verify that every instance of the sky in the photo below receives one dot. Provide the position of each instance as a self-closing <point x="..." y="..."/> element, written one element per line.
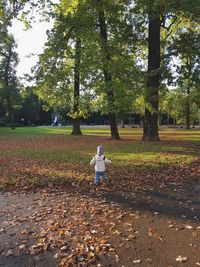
<point x="29" y="42"/>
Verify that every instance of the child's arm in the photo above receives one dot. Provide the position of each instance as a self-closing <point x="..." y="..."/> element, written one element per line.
<point x="107" y="161"/>
<point x="93" y="161"/>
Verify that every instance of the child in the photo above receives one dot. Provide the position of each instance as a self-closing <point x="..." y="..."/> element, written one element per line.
<point x="99" y="160"/>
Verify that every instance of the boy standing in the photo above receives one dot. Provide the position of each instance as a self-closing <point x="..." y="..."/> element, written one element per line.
<point x="100" y="161"/>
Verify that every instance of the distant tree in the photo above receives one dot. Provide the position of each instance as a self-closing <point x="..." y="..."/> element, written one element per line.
<point x="186" y="49"/>
<point x="9" y="82"/>
<point x="59" y="72"/>
<point x="31" y="107"/>
<point x="116" y="78"/>
<point x="174" y="105"/>
<point x="80" y="48"/>
<point x="106" y="60"/>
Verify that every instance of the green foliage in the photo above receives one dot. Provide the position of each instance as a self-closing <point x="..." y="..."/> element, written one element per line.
<point x="9" y="90"/>
<point x="185" y="49"/>
<point x="55" y="70"/>
<point x="174" y="104"/>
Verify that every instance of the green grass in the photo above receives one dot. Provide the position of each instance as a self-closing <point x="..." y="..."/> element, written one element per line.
<point x="56" y="155"/>
<point x="192" y="134"/>
<point x="37" y="131"/>
<point x="25" y="146"/>
<point x="34" y="131"/>
<point x="184" y="146"/>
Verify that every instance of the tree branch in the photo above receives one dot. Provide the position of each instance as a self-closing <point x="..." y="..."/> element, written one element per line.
<point x="171" y="30"/>
<point x="168" y="28"/>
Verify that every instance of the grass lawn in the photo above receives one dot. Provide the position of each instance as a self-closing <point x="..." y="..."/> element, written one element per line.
<point x="43" y="154"/>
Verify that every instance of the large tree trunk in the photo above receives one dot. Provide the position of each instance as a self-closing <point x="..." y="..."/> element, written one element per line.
<point x="150" y="128"/>
<point x="76" y="120"/>
<point x="107" y="74"/>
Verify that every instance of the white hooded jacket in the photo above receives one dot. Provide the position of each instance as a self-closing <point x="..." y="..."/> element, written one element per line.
<point x="100" y="162"/>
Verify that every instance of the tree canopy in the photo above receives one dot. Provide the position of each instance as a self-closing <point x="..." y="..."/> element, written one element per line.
<point x="108" y="56"/>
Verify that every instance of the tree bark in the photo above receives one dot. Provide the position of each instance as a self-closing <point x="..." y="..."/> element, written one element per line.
<point x="122" y="124"/>
<point x="107" y="74"/>
<point x="150" y="127"/>
<point x="187" y="104"/>
<point x="10" y="113"/>
<point x="187" y="109"/>
<point x="76" y="120"/>
<point x="8" y="92"/>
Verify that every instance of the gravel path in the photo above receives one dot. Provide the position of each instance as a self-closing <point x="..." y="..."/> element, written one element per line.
<point x="157" y="228"/>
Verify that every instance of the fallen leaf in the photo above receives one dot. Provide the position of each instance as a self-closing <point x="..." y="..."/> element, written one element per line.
<point x="10" y="253"/>
<point x="189" y="227"/>
<point x="21" y="247"/>
<point x="181" y="258"/>
<point x="136" y="261"/>
<point x="194" y="235"/>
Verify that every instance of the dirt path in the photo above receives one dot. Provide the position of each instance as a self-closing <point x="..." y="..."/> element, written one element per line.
<point x="157" y="228"/>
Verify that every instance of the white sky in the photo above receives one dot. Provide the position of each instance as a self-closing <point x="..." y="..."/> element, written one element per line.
<point x="29" y="42"/>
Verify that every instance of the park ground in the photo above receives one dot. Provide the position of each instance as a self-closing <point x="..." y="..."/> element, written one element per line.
<point x="146" y="214"/>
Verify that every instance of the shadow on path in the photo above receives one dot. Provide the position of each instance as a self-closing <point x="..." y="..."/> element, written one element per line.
<point x="174" y="201"/>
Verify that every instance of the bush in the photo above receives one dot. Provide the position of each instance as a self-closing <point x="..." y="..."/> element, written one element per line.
<point x="3" y="122"/>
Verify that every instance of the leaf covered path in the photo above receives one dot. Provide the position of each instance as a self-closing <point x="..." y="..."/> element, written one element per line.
<point x="103" y="227"/>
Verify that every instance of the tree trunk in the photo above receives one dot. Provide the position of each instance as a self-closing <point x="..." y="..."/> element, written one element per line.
<point x="107" y="74"/>
<point x="10" y="114"/>
<point x="76" y="127"/>
<point x="187" y="104"/>
<point x="168" y="119"/>
<point x="76" y="120"/>
<point x="8" y="91"/>
<point x="174" y="121"/>
<point x="122" y="124"/>
<point x="150" y="127"/>
<point x="187" y="109"/>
